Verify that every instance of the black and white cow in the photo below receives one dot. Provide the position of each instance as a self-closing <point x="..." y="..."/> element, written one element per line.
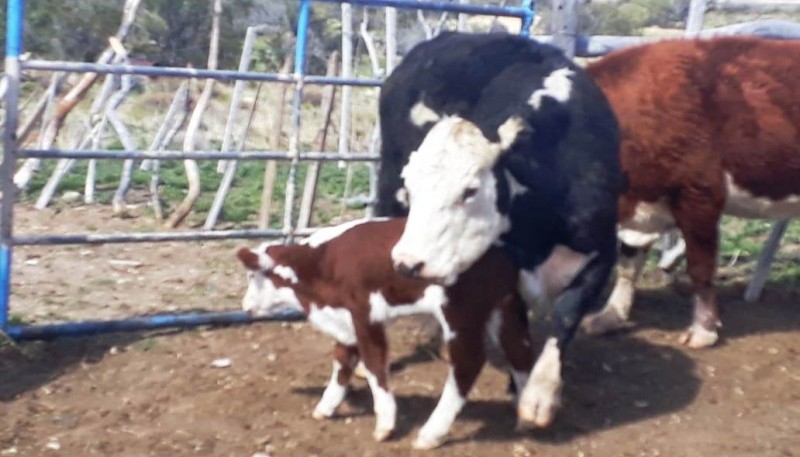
<point x="502" y="140"/>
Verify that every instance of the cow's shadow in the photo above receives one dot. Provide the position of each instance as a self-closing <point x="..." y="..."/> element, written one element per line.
<point x="609" y="382"/>
<point x="29" y="365"/>
<point x="668" y="306"/>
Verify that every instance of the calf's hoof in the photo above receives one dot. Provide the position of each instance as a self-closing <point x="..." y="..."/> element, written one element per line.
<point x="424" y="443"/>
<point x="382" y="434"/>
<point x="697" y="337"/>
<point x="605" y="321"/>
<point x="360" y="371"/>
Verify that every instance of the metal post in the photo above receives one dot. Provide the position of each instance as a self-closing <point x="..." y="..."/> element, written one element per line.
<point x="14" y="15"/>
<point x="527" y="20"/>
<point x="565" y="25"/>
<point x="753" y="292"/>
<point x="294" y="140"/>
<point x="694" y="22"/>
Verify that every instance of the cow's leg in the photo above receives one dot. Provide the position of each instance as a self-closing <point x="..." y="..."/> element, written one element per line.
<point x="372" y="345"/>
<point x="615" y="315"/>
<point x="467" y="357"/>
<point x="698" y="218"/>
<point x="542" y="394"/>
<point x="345" y="360"/>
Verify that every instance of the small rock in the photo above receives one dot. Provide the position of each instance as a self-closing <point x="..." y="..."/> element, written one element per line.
<point x="641" y="404"/>
<point x="520" y="451"/>
<point x="113" y="350"/>
<point x="261" y="454"/>
<point x="772" y="351"/>
<point x="53" y="444"/>
<point x="9" y="451"/>
<point x="70" y="196"/>
<point x="32" y="262"/>
<point x="271" y="357"/>
<point x="221" y="363"/>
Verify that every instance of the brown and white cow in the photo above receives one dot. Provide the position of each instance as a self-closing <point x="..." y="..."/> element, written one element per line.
<point x="343" y="279"/>
<point x="708" y="127"/>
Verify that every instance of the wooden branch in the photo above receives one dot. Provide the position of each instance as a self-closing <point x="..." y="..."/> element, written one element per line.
<point x="119" y="202"/>
<point x="95" y="126"/>
<point x="192" y="170"/>
<point x="177" y="118"/>
<point x="228" y="167"/>
<point x="271" y="168"/>
<point x="424" y="23"/>
<point x="78" y="92"/>
<point x="369" y="42"/>
<point x="312" y="175"/>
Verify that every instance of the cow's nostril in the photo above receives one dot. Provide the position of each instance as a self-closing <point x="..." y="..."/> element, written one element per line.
<point x="410" y="271"/>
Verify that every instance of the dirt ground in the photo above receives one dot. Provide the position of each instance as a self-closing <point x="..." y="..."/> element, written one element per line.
<point x="157" y="393"/>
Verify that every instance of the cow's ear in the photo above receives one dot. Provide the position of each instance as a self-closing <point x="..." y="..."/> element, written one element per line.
<point x="249" y="259"/>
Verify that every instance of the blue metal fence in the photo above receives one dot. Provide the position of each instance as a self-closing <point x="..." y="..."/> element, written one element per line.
<point x="12" y="152"/>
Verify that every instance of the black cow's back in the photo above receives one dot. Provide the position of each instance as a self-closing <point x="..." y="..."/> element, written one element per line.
<point x="448" y="73"/>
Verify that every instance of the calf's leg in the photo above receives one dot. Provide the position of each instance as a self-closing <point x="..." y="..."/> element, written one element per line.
<point x="467" y="357"/>
<point x="515" y="341"/>
<point x="344" y="362"/>
<point x="373" y="346"/>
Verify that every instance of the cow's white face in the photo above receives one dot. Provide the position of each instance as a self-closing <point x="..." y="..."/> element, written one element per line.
<point x="263" y="296"/>
<point x="453" y="217"/>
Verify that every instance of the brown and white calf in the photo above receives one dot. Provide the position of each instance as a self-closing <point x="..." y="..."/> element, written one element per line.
<point x="343" y="279"/>
<point x="708" y="127"/>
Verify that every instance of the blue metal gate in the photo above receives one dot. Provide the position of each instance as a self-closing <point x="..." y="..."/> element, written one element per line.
<point x="12" y="151"/>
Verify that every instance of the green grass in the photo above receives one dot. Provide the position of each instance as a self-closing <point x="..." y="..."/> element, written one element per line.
<point x="243" y="201"/>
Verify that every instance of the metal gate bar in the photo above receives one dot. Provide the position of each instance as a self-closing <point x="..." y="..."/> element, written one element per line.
<point x="12" y="152"/>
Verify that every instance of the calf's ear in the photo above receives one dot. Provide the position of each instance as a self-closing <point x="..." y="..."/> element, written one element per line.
<point x="248" y="258"/>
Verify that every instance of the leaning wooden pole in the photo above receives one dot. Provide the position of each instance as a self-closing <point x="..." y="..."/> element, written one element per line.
<point x="271" y="168"/>
<point x="228" y="167"/>
<point x="192" y="170"/>
<point x="312" y="174"/>
<point x="76" y="94"/>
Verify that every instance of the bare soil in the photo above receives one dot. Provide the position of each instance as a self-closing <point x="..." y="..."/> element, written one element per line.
<point x="637" y="393"/>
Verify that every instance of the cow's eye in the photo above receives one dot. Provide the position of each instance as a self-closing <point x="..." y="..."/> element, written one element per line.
<point x="468" y="194"/>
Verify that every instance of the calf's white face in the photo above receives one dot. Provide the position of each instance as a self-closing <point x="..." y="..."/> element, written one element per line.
<point x="453" y="217"/>
<point x="263" y="296"/>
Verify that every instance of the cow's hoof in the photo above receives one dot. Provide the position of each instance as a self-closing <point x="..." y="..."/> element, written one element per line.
<point x="697" y="337"/>
<point x="320" y="415"/>
<point x="605" y="321"/>
<point x="381" y="434"/>
<point x="537" y="408"/>
<point x="424" y="443"/>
